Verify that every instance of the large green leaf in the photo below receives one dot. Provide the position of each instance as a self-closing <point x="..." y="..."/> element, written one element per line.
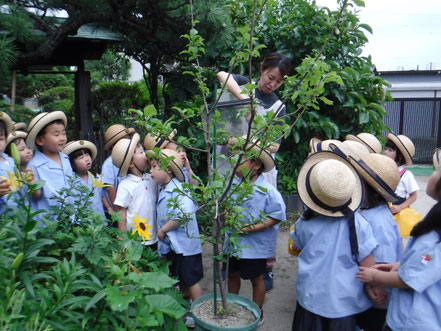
<point x="165" y="304"/>
<point x="154" y="280"/>
<point x="117" y="300"/>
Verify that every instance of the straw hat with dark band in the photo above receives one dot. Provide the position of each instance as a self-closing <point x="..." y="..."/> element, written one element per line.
<point x="350" y="148"/>
<point x="330" y="186"/>
<point x="314" y="141"/>
<point x="405" y="146"/>
<point x="80" y="144"/>
<point x="39" y="122"/>
<point x="20" y="126"/>
<point x="436" y="159"/>
<point x="8" y="122"/>
<point x="321" y="146"/>
<point x="154" y="141"/>
<point x="114" y="133"/>
<point x="122" y="153"/>
<point x="14" y="135"/>
<point x="380" y="172"/>
<point x="367" y="139"/>
<point x="261" y="154"/>
<point x="175" y="165"/>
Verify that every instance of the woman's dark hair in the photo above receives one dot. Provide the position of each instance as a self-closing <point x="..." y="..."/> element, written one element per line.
<point x="2" y="128"/>
<point x="278" y="60"/>
<point x="432" y="221"/>
<point x="399" y="158"/>
<point x="77" y="153"/>
<point x="373" y="198"/>
<point x="8" y="148"/>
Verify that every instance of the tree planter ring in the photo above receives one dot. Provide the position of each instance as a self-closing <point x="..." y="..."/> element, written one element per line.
<point x="232" y="298"/>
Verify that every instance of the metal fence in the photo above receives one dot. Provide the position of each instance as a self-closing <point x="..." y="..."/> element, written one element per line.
<point x="418" y="119"/>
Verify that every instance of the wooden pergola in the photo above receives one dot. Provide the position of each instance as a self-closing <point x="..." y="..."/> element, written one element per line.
<point x="89" y="43"/>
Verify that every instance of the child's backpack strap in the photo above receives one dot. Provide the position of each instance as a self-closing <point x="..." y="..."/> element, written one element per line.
<point x="402" y="172"/>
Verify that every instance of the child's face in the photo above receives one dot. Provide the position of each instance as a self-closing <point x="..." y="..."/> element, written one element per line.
<point x="178" y="149"/>
<point x="140" y="159"/>
<point x="160" y="176"/>
<point x="390" y="153"/>
<point x="249" y="168"/>
<point x="2" y="142"/>
<point x="54" y="139"/>
<point x="24" y="151"/>
<point x="83" y="163"/>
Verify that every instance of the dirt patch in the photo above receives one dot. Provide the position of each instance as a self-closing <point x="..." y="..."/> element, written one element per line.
<point x="235" y="317"/>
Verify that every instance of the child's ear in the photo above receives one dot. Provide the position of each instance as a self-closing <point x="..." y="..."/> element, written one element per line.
<point x="258" y="164"/>
<point x="39" y="141"/>
<point x="131" y="165"/>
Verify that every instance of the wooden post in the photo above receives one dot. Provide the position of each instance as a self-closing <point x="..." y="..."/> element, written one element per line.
<point x="83" y="112"/>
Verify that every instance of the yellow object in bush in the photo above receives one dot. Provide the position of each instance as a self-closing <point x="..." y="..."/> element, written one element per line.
<point x="406" y="220"/>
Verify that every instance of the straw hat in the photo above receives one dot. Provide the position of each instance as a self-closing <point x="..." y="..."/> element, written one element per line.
<point x="332" y="182"/>
<point x="8" y="122"/>
<point x="14" y="135"/>
<point x="175" y="165"/>
<point x="314" y="141"/>
<point x="80" y="144"/>
<point x="405" y="146"/>
<point x="155" y="141"/>
<point x="114" y="133"/>
<point x="379" y="171"/>
<point x="39" y="122"/>
<point x="350" y="148"/>
<point x="122" y="153"/>
<point x="262" y="154"/>
<point x="320" y="146"/>
<point x="436" y="159"/>
<point x="367" y="139"/>
<point x="20" y="126"/>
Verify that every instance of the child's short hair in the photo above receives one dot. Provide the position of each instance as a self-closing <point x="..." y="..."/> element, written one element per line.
<point x="373" y="197"/>
<point x="76" y="154"/>
<point x="399" y="158"/>
<point x="43" y="130"/>
<point x="2" y="128"/>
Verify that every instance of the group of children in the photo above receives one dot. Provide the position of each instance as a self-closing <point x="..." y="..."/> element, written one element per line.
<point x="145" y="197"/>
<point x="347" y="231"/>
<point x="353" y="272"/>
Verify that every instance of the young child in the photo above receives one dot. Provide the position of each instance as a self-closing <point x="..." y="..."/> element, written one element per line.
<point x="81" y="155"/>
<point x="26" y="155"/>
<point x="415" y="302"/>
<point x="333" y="240"/>
<point x="137" y="192"/>
<point x="380" y="178"/>
<point x="6" y="162"/>
<point x="188" y="172"/>
<point x="259" y="235"/>
<point x="109" y="171"/>
<point x="47" y="132"/>
<point x="401" y="150"/>
<point x="178" y="231"/>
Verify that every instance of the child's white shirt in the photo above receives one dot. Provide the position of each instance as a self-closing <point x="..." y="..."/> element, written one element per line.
<point x="407" y="184"/>
<point x="138" y="195"/>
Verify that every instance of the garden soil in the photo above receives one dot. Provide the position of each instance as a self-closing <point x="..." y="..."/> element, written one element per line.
<point x="280" y="302"/>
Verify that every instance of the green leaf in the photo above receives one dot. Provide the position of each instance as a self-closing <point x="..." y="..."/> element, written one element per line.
<point x="165" y="304"/>
<point x="30" y="226"/>
<point x="150" y="111"/>
<point x="118" y="301"/>
<point x="154" y="280"/>
<point x="96" y="298"/>
<point x="363" y="118"/>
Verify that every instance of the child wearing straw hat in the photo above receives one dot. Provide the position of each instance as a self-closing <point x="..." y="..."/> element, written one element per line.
<point x="47" y="133"/>
<point x="186" y="169"/>
<point x="367" y="139"/>
<point x="334" y="241"/>
<point x="380" y="178"/>
<point x="109" y="171"/>
<point x="81" y="155"/>
<point x="178" y="230"/>
<point x="6" y="162"/>
<point x="137" y="192"/>
<point x="415" y="301"/>
<point x="258" y="235"/>
<point x="401" y="149"/>
<point x="26" y="154"/>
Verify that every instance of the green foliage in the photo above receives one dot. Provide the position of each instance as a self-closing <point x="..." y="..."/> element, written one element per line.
<point x="74" y="274"/>
<point x="111" y="67"/>
<point x="20" y="113"/>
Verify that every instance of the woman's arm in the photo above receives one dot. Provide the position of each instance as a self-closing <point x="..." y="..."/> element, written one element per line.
<point x="231" y="84"/>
